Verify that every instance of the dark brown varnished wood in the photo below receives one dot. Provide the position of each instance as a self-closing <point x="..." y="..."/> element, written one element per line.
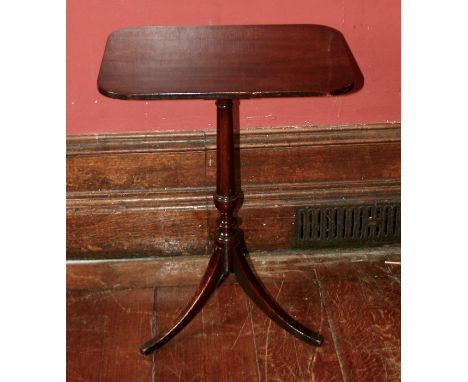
<point x="229" y="61"/>
<point x="280" y="356"/>
<point x="227" y="240"/>
<point x="226" y="63"/>
<point x="208" y="284"/>
<point x="267" y="304"/>
<point x="226" y="198"/>
<point x="218" y="344"/>
<point x="356" y="301"/>
<point x="229" y="252"/>
<point x="364" y="313"/>
<point x="103" y="330"/>
<point x="270" y="266"/>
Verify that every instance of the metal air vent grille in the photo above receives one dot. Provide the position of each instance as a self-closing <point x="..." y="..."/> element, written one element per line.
<point x="344" y="225"/>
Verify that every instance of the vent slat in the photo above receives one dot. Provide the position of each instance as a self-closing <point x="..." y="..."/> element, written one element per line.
<point x="339" y="223"/>
<point x="371" y="222"/>
<point x="359" y="218"/>
<point x="323" y="224"/>
<point x="397" y="230"/>
<point x="302" y="226"/>
<point x="385" y="220"/>
<point x="378" y="220"/>
<point x="395" y="222"/>
<point x="316" y="222"/>
<point x="348" y="222"/>
<point x="330" y="224"/>
<point x="390" y="221"/>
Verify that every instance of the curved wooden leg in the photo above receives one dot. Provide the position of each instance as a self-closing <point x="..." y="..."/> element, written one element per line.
<point x="208" y="284"/>
<point x="267" y="304"/>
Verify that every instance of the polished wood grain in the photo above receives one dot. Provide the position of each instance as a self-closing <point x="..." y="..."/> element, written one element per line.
<point x="352" y="301"/>
<point x="282" y="357"/>
<point x="217" y="345"/>
<point x="271" y="266"/>
<point x="115" y="209"/>
<point x="104" y="329"/>
<point x="230" y="61"/>
<point x="255" y="138"/>
<point x="208" y="284"/>
<point x="365" y="316"/>
<point x="133" y="170"/>
<point x="257" y="292"/>
<point x="137" y="233"/>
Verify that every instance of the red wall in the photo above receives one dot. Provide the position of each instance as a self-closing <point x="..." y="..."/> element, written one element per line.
<point x="372" y="29"/>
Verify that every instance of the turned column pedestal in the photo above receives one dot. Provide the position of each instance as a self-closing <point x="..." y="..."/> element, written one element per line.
<point x="229" y="252"/>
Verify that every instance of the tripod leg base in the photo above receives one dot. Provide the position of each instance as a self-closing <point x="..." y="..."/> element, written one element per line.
<point x="213" y="275"/>
<point x="256" y="291"/>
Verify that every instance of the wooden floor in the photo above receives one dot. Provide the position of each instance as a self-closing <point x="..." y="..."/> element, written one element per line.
<point x="353" y="301"/>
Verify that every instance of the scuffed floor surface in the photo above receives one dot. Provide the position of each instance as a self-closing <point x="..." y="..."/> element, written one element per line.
<point x="355" y="305"/>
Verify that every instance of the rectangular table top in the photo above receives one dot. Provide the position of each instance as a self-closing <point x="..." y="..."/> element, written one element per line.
<point x="232" y="61"/>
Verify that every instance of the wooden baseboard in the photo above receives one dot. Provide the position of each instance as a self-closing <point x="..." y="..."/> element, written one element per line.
<point x="271" y="266"/>
<point x="144" y="195"/>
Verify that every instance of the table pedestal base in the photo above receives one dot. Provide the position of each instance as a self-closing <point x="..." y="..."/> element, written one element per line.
<point x="230" y="249"/>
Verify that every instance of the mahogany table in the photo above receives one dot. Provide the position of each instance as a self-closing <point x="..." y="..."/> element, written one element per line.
<point x="224" y="63"/>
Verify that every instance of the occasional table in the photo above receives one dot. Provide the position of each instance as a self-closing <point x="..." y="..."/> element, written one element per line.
<point x="226" y="63"/>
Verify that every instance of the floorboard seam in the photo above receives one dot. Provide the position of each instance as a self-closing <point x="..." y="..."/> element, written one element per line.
<point x="332" y="331"/>
<point x="153" y="333"/>
<point x="102" y="351"/>
<point x="249" y="312"/>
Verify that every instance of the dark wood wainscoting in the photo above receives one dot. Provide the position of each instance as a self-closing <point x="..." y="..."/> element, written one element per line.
<point x="150" y="194"/>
